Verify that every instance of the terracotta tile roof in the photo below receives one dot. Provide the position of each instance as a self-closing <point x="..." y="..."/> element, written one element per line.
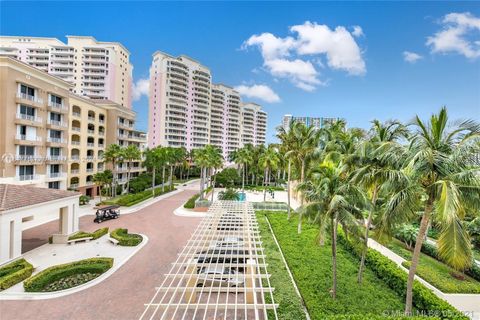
<point x="15" y="196"/>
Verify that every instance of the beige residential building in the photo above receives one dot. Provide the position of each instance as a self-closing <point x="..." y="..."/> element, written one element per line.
<point x="33" y="126"/>
<point x="225" y="119"/>
<point x="50" y="137"/>
<point x="98" y="70"/>
<point x="254" y="124"/>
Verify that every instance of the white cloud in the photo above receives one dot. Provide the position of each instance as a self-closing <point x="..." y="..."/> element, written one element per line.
<point x="293" y="58"/>
<point x="140" y="88"/>
<point x="259" y="91"/>
<point x="411" y="57"/>
<point x="458" y="28"/>
<point x="357" y="31"/>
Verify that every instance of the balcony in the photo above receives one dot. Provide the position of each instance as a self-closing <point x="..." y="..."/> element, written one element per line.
<point x="57" y="123"/>
<point x="56" y="158"/>
<point x="91" y="118"/>
<point x="26" y="177"/>
<point x="29" y="140"/>
<point x="76" y="114"/>
<point x="75" y="157"/>
<point x="101" y="145"/>
<point x="56" y="140"/>
<point x="122" y="136"/>
<point x="89" y="183"/>
<point x="25" y="158"/>
<point x="75" y="171"/>
<point x="59" y="107"/>
<point x="90" y="144"/>
<point x="73" y="185"/>
<point x="75" y="143"/>
<point x="56" y="175"/>
<point x="24" y="96"/>
<point x="89" y="170"/>
<point x="76" y="129"/>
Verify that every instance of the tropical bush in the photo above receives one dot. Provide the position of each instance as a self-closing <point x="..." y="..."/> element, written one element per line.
<point x="14" y="272"/>
<point x="95" y="235"/>
<point x="190" y="204"/>
<point x="67" y="275"/>
<point x="408" y="234"/>
<point x="473" y="228"/>
<point x="229" y="194"/>
<point x="126" y="239"/>
<point x="228" y="178"/>
<point x="83" y="200"/>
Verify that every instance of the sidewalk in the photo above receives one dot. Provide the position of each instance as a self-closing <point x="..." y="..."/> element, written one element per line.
<point x="468" y="303"/>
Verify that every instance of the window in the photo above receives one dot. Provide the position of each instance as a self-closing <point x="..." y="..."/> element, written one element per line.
<point x="26" y="110"/>
<point x="56" y="134"/>
<point x="29" y="91"/>
<point x="22" y="130"/>
<point x="55" y="116"/>
<point x="55" y="151"/>
<point x="54" y="185"/>
<point x="55" y="168"/>
<point x="25" y="170"/>
<point x="55" y="99"/>
<point x="26" y="151"/>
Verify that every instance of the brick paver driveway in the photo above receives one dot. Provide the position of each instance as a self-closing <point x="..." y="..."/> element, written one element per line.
<point x="122" y="295"/>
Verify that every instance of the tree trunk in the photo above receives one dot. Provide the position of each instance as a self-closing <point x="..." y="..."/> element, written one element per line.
<point x="114" y="178"/>
<point x="302" y="176"/>
<point x="153" y="183"/>
<point x="171" y="177"/>
<point x="265" y="184"/>
<point x="163" y="179"/>
<point x="128" y="177"/>
<point x="416" y="254"/>
<point x="213" y="184"/>
<point x="188" y="172"/>
<point x="202" y="181"/>
<point x="365" y="241"/>
<point x="288" y="190"/>
<point x="334" y="257"/>
<point x="243" y="177"/>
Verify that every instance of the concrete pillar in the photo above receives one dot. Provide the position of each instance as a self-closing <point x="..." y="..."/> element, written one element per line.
<point x="191" y="272"/>
<point x="250" y="281"/>
<point x="4" y="239"/>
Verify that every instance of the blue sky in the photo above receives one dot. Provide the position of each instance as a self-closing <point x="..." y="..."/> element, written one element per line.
<point x="315" y="61"/>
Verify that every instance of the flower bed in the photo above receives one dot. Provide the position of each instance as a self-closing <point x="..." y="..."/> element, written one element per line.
<point x="67" y="275"/>
<point x="126" y="239"/>
<point x="95" y="235"/>
<point x="14" y="272"/>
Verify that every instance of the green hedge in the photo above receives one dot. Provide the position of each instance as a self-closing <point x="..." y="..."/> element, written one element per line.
<point x="424" y="300"/>
<point x="190" y="204"/>
<point x="126" y="239"/>
<point x="95" y="235"/>
<point x="14" y="272"/>
<point x="39" y="281"/>
<point x="131" y="199"/>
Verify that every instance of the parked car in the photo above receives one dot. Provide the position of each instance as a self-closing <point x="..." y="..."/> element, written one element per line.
<point x="219" y="276"/>
<point x="106" y="213"/>
<point x="222" y="256"/>
<point x="227" y="242"/>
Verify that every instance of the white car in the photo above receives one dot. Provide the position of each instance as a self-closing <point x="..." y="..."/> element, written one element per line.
<point x="227" y="242"/>
<point x="219" y="276"/>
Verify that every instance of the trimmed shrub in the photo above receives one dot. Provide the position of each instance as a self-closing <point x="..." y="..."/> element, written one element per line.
<point x="190" y="204"/>
<point x="425" y="301"/>
<point x="14" y="272"/>
<point x="95" y="235"/>
<point x="126" y="239"/>
<point x="40" y="281"/>
<point x="83" y="200"/>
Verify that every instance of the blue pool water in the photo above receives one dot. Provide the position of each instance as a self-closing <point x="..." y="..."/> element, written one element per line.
<point x="242" y="196"/>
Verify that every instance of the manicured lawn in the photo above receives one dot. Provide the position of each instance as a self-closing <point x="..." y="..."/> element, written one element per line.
<point x="311" y="266"/>
<point x="435" y="272"/>
<point x="290" y="306"/>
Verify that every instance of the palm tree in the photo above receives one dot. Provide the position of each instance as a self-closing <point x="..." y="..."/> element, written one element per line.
<point x="373" y="170"/>
<point x="215" y="161"/>
<point x="304" y="142"/>
<point x="152" y="161"/>
<point x="113" y="154"/>
<point x="102" y="179"/>
<point x="242" y="157"/>
<point x="333" y="198"/>
<point x="201" y="160"/>
<point x="268" y="161"/>
<point x="287" y="139"/>
<point x="442" y="180"/>
<point x="129" y="154"/>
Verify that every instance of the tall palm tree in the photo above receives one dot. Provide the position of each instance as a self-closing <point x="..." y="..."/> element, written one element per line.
<point x="373" y="170"/>
<point x="152" y="161"/>
<point x="305" y="142"/>
<point x="113" y="154"/>
<point x="332" y="198"/>
<point x="268" y="161"/>
<point x="287" y="138"/>
<point x="201" y="160"/>
<point x="442" y="181"/>
<point x="129" y="154"/>
<point x="102" y="179"/>
<point x="242" y="157"/>
<point x="215" y="161"/>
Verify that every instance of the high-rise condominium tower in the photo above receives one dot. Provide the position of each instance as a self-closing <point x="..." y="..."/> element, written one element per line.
<point x="308" y="121"/>
<point x="97" y="70"/>
<point x="180" y="90"/>
<point x="254" y="124"/>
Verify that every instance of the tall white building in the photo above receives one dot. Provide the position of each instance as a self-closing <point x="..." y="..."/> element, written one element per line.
<point x="225" y="121"/>
<point x="98" y="70"/>
<point x="318" y="123"/>
<point x="180" y="91"/>
<point x="254" y="124"/>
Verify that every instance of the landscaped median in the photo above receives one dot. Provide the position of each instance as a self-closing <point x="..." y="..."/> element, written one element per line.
<point x="129" y="200"/>
<point x="14" y="272"/>
<point x="68" y="275"/>
<point x="94" y="235"/>
<point x="190" y="204"/>
<point x="381" y="295"/>
<point x="126" y="239"/>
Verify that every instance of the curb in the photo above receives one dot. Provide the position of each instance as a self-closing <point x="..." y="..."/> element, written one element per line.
<point x="62" y="293"/>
